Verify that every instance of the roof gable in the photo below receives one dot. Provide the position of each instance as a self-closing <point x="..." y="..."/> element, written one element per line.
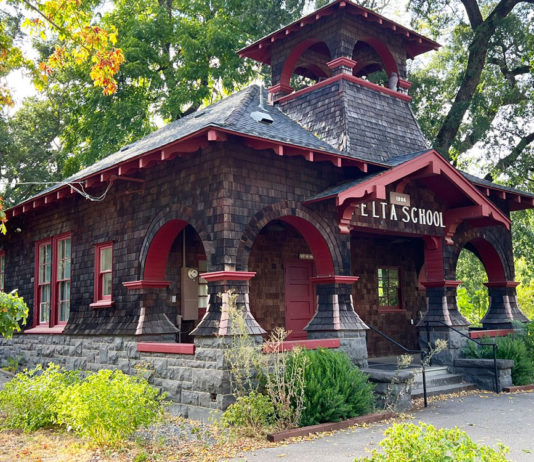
<point x="465" y="201"/>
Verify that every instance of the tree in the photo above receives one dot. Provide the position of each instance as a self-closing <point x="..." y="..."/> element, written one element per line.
<point x="13" y="313"/>
<point x="478" y="89"/>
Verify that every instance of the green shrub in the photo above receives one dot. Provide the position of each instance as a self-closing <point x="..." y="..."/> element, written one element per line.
<point x="421" y="443"/>
<point x="29" y="400"/>
<point x="108" y="406"/>
<point x="334" y="389"/>
<point x="250" y="415"/>
<point x="13" y="313"/>
<point x="509" y="347"/>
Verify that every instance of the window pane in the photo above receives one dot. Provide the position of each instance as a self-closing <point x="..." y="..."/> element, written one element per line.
<point x="64" y="301"/>
<point x="106" y="284"/>
<point x="105" y="259"/>
<point x="44" y="306"/>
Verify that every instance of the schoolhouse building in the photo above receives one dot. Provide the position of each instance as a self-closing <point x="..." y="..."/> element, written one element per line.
<point x="318" y="200"/>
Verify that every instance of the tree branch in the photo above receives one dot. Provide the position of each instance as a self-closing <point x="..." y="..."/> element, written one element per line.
<point x="478" y="50"/>
<point x="509" y="160"/>
<point x="473" y="13"/>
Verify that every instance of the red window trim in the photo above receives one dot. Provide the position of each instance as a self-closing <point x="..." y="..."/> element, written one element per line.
<point x="3" y="273"/>
<point x="391" y="308"/>
<point x="54" y="311"/>
<point x="101" y="301"/>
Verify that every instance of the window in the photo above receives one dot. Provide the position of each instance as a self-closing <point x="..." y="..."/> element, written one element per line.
<point x="52" y="276"/>
<point x="388" y="288"/>
<point x="103" y="275"/>
<point x="2" y="269"/>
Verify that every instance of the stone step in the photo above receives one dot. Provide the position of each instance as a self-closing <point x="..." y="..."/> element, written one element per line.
<point x="437" y="380"/>
<point x="443" y="390"/>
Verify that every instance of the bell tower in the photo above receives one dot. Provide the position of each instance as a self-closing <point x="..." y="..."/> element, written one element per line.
<point x="341" y="73"/>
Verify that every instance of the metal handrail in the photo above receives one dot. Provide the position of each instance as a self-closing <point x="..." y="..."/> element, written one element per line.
<point x="493" y="345"/>
<point x="407" y="350"/>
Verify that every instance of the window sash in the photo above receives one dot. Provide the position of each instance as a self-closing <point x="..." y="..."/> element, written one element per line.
<point x="103" y="272"/>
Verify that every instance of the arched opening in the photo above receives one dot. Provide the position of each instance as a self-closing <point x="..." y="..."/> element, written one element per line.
<point x="307" y="64"/>
<point x="477" y="264"/>
<point x="286" y="254"/>
<point x="176" y="254"/>
<point x="374" y="62"/>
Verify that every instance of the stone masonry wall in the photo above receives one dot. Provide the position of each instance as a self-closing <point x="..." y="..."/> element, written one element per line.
<point x="198" y="384"/>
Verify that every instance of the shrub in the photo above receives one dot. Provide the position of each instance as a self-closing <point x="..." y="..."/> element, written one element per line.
<point x="334" y="389"/>
<point x="419" y="443"/>
<point x="13" y="312"/>
<point x="108" y="406"/>
<point x="29" y="400"/>
<point x="509" y="347"/>
<point x="250" y="415"/>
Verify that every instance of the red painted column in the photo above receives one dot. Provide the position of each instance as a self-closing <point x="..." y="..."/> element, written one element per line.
<point x="216" y="321"/>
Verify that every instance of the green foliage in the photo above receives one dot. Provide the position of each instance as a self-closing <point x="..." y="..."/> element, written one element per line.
<point x="250" y="415"/>
<point x="13" y="312"/>
<point x="29" y="401"/>
<point x="517" y="347"/>
<point x="424" y="443"/>
<point x="108" y="406"/>
<point x="12" y="364"/>
<point x="334" y="388"/>
<point x="472" y="294"/>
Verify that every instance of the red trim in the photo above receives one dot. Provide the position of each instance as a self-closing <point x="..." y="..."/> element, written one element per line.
<point x="46" y="330"/>
<point x="417" y="44"/>
<point x="228" y="276"/>
<point x="54" y="308"/>
<point x="102" y="304"/>
<point x="158" y="252"/>
<point x="492" y="263"/>
<point x="350" y="78"/>
<point x="306" y="344"/>
<point x="324" y="264"/>
<point x="342" y="61"/>
<point x="381" y="48"/>
<point x="291" y="61"/>
<point x="404" y="84"/>
<point x="101" y="301"/>
<point x="334" y="279"/>
<point x="173" y="348"/>
<point x="502" y="284"/>
<point x="146" y="284"/>
<point x="281" y="88"/>
<point x="490" y="333"/>
<point x="430" y="284"/>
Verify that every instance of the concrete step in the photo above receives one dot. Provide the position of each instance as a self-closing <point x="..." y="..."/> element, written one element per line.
<point x="443" y="390"/>
<point x="438" y="380"/>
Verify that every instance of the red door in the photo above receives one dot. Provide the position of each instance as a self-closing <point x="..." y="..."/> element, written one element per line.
<point x="300" y="298"/>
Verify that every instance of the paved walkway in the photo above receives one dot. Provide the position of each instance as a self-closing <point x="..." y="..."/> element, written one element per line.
<point x="487" y="418"/>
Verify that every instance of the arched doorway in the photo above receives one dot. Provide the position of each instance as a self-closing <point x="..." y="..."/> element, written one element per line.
<point x="478" y="264"/>
<point x="176" y="258"/>
<point x="286" y="254"/>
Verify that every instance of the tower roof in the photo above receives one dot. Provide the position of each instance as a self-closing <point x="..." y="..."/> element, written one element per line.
<point x="416" y="44"/>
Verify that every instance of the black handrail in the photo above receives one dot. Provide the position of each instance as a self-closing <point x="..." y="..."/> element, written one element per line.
<point x="407" y="350"/>
<point x="494" y="345"/>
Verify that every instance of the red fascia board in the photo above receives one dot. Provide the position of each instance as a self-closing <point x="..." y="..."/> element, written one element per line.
<point x="146" y="284"/>
<point x="172" y="348"/>
<point x="350" y="78"/>
<point x="423" y="43"/>
<point x="334" y="279"/>
<point x="228" y="276"/>
<point x="378" y="184"/>
<point x="306" y="344"/>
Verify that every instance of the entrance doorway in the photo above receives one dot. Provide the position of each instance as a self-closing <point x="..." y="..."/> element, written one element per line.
<point x="300" y="298"/>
